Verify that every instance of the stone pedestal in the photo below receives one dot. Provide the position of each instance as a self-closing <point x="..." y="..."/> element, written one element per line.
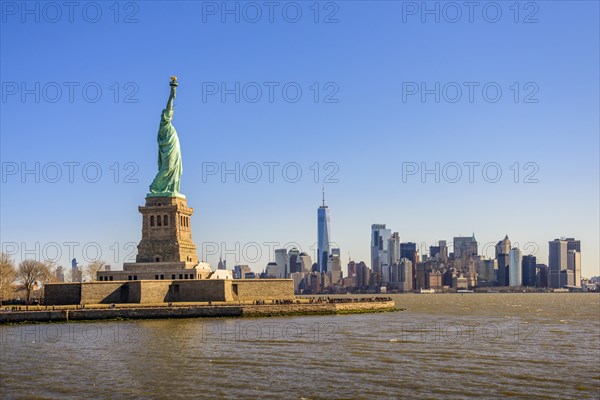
<point x="166" y="231"/>
<point x="166" y="251"/>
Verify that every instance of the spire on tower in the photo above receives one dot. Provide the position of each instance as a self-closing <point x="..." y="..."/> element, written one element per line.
<point x="323" y="196"/>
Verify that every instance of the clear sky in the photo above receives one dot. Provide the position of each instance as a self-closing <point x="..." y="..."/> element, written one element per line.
<point x="367" y="116"/>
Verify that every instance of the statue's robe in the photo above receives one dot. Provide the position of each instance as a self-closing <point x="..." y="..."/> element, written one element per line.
<point x="168" y="178"/>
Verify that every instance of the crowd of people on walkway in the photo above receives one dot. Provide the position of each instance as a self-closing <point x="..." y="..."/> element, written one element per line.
<point x="278" y="302"/>
<point x="348" y="299"/>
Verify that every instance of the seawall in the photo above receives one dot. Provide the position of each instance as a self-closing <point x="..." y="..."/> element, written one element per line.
<point x="194" y="311"/>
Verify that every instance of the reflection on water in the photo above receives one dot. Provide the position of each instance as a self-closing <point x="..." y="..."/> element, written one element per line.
<point x="451" y="346"/>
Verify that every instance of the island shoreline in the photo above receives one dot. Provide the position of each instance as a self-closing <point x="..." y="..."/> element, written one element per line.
<point x="135" y="312"/>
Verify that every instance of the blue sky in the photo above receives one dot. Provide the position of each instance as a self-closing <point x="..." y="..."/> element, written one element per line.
<point x="364" y="126"/>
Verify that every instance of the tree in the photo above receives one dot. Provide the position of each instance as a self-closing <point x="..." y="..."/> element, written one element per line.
<point x="92" y="269"/>
<point x="8" y="275"/>
<point x="31" y="272"/>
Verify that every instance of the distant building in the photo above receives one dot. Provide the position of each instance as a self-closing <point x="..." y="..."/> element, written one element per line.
<point x="543" y="277"/>
<point x="222" y="264"/>
<point x="314" y="282"/>
<point x="76" y="273"/>
<point x="60" y="274"/>
<point x="406" y="275"/>
<point x="434" y="280"/>
<point x="363" y="275"/>
<point x="273" y="270"/>
<point x="394" y="275"/>
<point x="323" y="236"/>
<point x="460" y="282"/>
<point x="503" y="270"/>
<point x="394" y="249"/>
<point x="567" y="278"/>
<point x="503" y="261"/>
<point x="409" y="250"/>
<point x="557" y="261"/>
<point x="573" y="244"/>
<point x="294" y="261"/>
<point x="351" y="268"/>
<point x="221" y="274"/>
<point x="380" y="236"/>
<point x="334" y="278"/>
<point x="305" y="262"/>
<point x="440" y="251"/>
<point x="574" y="265"/>
<point x="298" y="278"/>
<point x="486" y="270"/>
<point x="465" y="246"/>
<point x="240" y="271"/>
<point x="334" y="262"/>
<point x="503" y="246"/>
<point x="529" y="270"/>
<point x="515" y="268"/>
<point x="283" y="262"/>
<point x="420" y="279"/>
<point x="564" y="254"/>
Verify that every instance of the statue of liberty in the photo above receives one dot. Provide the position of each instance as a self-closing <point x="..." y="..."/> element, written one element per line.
<point x="167" y="180"/>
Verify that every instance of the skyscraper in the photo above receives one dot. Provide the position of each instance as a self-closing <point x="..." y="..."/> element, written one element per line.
<point x="305" y="262"/>
<point x="503" y="246"/>
<point x="273" y="270"/>
<point x="542" y="275"/>
<point x="574" y="259"/>
<point x="394" y="249"/>
<point x="574" y="264"/>
<point x="465" y="246"/>
<point x="486" y="270"/>
<point x="529" y="268"/>
<point x="515" y="269"/>
<point x="440" y="251"/>
<point x="557" y="260"/>
<point x="283" y="262"/>
<point x="351" y="268"/>
<point x="323" y="239"/>
<point x="406" y="275"/>
<point x="379" y="251"/>
<point x="409" y="250"/>
<point x="294" y="260"/>
<point x="503" y="271"/>
<point x="363" y="275"/>
<point x="573" y="244"/>
<point x="76" y="275"/>
<point x="240" y="271"/>
<point x="502" y="255"/>
<point x="334" y="262"/>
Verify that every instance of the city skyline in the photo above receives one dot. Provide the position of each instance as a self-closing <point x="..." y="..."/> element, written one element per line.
<point x="390" y="244"/>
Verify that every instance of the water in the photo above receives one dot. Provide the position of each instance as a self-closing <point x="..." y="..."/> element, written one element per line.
<point x="442" y="346"/>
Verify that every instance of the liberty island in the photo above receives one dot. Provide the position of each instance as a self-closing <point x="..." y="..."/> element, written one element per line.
<point x="168" y="270"/>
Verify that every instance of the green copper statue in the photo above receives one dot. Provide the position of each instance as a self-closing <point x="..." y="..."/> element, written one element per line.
<point x="167" y="180"/>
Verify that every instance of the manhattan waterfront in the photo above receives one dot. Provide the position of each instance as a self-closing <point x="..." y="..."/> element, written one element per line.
<point x="444" y="345"/>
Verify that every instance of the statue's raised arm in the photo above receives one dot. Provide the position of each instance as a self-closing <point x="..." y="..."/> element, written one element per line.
<point x="173" y="85"/>
<point x="167" y="180"/>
